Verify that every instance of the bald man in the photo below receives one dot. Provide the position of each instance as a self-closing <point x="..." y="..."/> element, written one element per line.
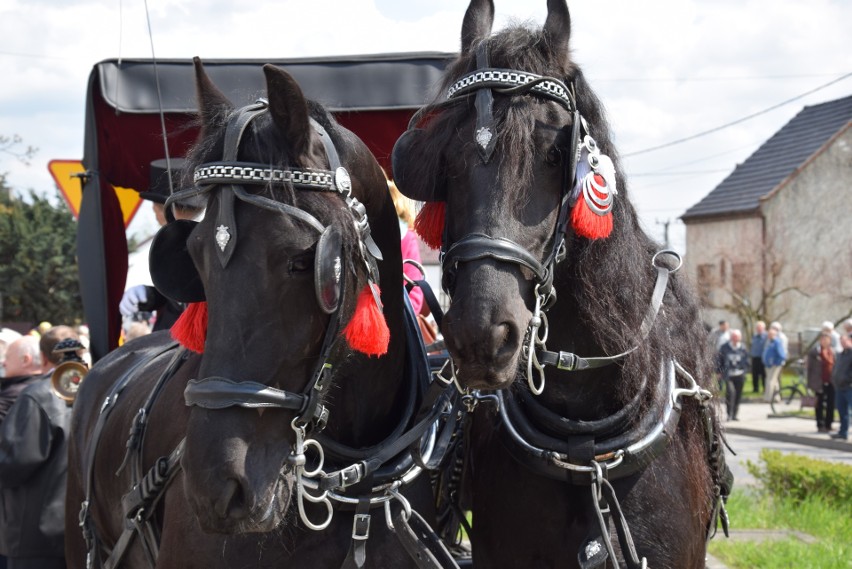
<point x="23" y="366"/>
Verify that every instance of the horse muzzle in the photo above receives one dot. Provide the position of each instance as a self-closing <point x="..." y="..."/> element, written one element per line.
<point x="484" y="327"/>
<point x="238" y="509"/>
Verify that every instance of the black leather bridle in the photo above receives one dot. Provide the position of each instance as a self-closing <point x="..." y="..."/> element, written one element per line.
<point x="230" y="176"/>
<point x="483" y="83"/>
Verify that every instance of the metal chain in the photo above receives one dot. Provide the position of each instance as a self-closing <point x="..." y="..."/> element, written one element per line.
<point x="511" y="78"/>
<point x="318" y="179"/>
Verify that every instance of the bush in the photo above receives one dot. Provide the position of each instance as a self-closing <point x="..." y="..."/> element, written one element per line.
<point x="800" y="478"/>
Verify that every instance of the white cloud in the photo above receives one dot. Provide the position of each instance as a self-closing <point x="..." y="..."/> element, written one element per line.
<point x="664" y="69"/>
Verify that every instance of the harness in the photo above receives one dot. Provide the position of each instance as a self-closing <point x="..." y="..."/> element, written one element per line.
<point x="589" y="453"/>
<point x="140" y="503"/>
<point x="372" y="477"/>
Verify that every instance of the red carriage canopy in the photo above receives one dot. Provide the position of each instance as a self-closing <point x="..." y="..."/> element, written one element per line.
<point x="372" y="95"/>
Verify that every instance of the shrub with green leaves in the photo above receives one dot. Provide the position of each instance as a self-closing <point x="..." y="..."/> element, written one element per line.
<point x="800" y="478"/>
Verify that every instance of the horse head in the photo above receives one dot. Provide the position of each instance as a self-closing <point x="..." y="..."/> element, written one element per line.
<point x="278" y="257"/>
<point x="502" y="153"/>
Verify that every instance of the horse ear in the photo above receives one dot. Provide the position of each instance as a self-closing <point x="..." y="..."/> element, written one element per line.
<point x="557" y="27"/>
<point x="477" y="22"/>
<point x="211" y="101"/>
<point x="289" y="109"/>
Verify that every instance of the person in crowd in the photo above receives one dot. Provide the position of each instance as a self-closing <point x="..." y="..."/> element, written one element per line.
<point x="758" y="344"/>
<point x="819" y="365"/>
<point x="774" y="357"/>
<point x="409" y="243"/>
<point x="718" y="338"/>
<point x="7" y="336"/>
<point x="146" y="298"/>
<point x="841" y="377"/>
<point x="781" y="335"/>
<point x="22" y="367"/>
<point x="847" y="327"/>
<point x="83" y="333"/>
<point x="828" y="328"/>
<point x="735" y="364"/>
<point x="33" y="467"/>
<point x="49" y="340"/>
<point x="135" y="330"/>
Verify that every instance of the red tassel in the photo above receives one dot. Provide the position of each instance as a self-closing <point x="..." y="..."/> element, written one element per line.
<point x="429" y="224"/>
<point x="368" y="332"/>
<point x="586" y="222"/>
<point x="191" y="328"/>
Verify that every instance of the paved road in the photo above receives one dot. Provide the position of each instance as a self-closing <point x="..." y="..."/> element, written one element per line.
<point x="757" y="429"/>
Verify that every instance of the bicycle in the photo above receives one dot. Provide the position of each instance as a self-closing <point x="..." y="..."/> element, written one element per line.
<point x="793" y="397"/>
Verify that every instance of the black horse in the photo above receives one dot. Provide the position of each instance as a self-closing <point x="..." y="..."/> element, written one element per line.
<point x="605" y="451"/>
<point x="226" y="470"/>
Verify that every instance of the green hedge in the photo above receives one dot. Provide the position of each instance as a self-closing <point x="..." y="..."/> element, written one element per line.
<point x="800" y="477"/>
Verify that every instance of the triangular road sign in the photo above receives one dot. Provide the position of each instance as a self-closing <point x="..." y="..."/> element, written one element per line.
<point x="66" y="174"/>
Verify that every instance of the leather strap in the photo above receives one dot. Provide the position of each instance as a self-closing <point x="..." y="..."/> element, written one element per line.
<point x="93" y="543"/>
<point x="485" y="134"/>
<point x="225" y="216"/>
<point x="422" y="544"/>
<point x="357" y="555"/>
<point x="568" y="361"/>
<point x="220" y="392"/>
<point x="476" y="246"/>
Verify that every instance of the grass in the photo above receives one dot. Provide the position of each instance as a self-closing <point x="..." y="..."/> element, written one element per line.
<point x="788" y="377"/>
<point x="832" y="527"/>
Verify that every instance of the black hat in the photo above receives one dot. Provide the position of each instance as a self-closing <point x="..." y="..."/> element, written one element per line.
<point x="158" y="190"/>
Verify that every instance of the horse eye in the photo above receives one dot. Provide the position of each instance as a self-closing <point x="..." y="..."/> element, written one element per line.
<point x="301" y="264"/>
<point x="553" y="156"/>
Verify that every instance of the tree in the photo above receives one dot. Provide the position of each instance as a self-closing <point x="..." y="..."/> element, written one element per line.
<point x="752" y="300"/>
<point x="38" y="265"/>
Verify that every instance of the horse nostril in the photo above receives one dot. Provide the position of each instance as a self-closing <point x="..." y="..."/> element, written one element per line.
<point x="505" y="338"/>
<point x="231" y="502"/>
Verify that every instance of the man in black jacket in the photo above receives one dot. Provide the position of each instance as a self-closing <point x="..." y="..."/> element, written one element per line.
<point x="23" y="365"/>
<point x="841" y="377"/>
<point x="734" y="362"/>
<point x="33" y="467"/>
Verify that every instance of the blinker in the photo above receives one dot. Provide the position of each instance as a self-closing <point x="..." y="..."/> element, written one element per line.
<point x="172" y="269"/>
<point x="328" y="269"/>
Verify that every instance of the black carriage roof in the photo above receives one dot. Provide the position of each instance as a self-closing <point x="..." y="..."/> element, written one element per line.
<point x="347" y="83"/>
<point x="372" y="95"/>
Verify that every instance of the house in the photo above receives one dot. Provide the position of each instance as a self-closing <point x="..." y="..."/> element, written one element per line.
<point x="774" y="239"/>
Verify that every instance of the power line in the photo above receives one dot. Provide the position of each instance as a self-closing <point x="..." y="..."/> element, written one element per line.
<point x="680" y="173"/>
<point x="33" y="55"/>
<point x="738" y="121"/>
<point x="687" y="79"/>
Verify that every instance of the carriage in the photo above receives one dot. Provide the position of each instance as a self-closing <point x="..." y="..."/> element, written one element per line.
<point x="372" y="95"/>
<point x="615" y="460"/>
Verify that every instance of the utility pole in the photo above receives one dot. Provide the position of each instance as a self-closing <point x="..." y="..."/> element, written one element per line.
<point x="665" y="225"/>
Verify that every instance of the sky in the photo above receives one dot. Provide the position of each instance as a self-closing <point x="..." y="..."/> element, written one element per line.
<point x="664" y="69"/>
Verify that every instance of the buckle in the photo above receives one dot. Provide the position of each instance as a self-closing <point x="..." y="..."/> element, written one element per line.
<point x="567" y="361"/>
<point x="350" y="475"/>
<point x="361" y="527"/>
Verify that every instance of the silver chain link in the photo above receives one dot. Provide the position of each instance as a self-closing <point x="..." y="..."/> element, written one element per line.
<point x="511" y="78"/>
<point x="319" y="179"/>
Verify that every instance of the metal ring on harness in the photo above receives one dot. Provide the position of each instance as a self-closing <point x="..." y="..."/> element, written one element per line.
<point x="670" y="252"/>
